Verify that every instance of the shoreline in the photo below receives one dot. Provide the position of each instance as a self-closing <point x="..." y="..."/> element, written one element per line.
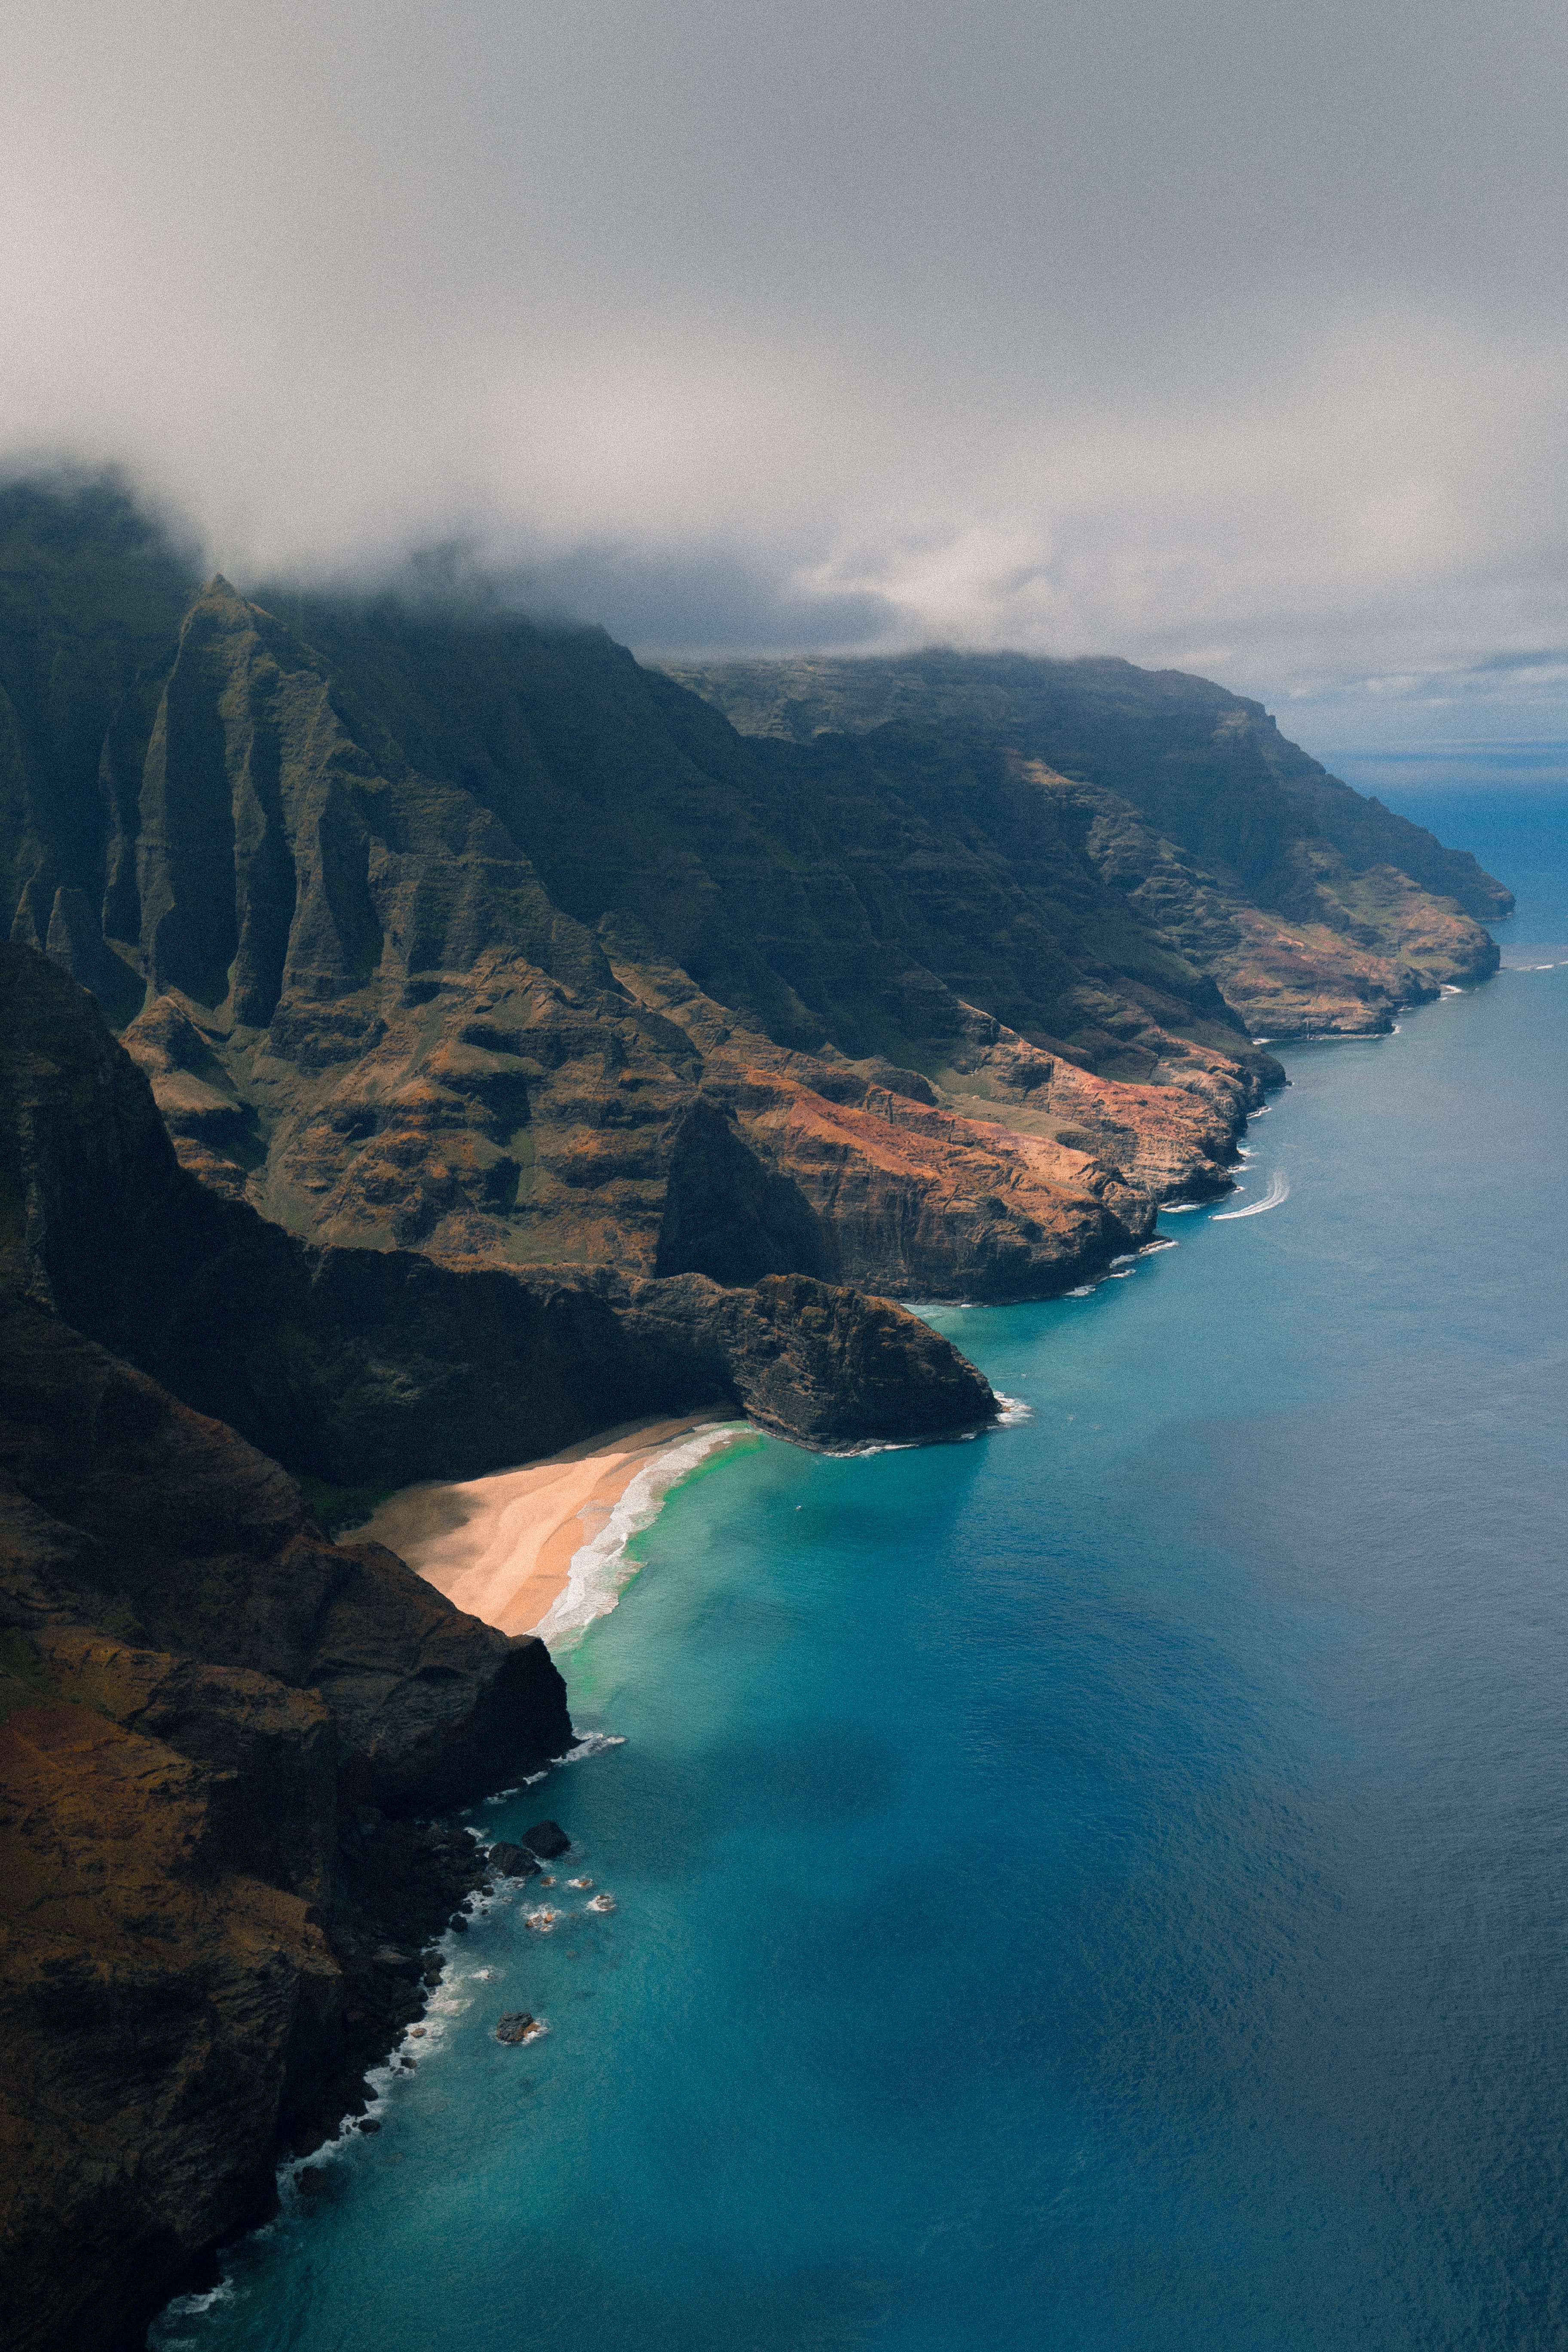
<point x="545" y="1543"/>
<point x="541" y="1549"/>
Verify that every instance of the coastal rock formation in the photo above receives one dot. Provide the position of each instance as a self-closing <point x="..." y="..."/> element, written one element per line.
<point x="1314" y="908"/>
<point x="210" y="1912"/>
<point x="510" y="1859"/>
<point x="434" y="929"/>
<point x="383" y="1367"/>
<point x="155" y="1520"/>
<point x="440" y="931"/>
<point x="548" y="1840"/>
<point x="215" y="1721"/>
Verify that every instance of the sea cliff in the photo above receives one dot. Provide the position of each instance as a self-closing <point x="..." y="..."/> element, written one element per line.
<point x="426" y="1038"/>
<point x="216" y="1723"/>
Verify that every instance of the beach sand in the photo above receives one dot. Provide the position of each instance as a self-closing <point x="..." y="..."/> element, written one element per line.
<point x="501" y="1547"/>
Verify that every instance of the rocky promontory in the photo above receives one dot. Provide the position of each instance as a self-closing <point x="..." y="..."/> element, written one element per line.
<point x="216" y="1723"/>
<point x="214" y="1726"/>
<point x="428" y="1036"/>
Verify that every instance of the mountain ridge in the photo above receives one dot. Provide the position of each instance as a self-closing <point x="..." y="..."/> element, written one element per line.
<point x="427" y="1036"/>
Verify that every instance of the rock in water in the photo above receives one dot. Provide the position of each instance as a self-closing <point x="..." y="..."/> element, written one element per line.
<point x="515" y="2026"/>
<point x="512" y="1861"/>
<point x="546" y="1839"/>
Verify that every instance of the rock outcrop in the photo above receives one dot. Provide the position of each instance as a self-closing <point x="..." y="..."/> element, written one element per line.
<point x="212" y="1723"/>
<point x="444" y="932"/>
<point x="1314" y="908"/>
<point x="382" y="1367"/>
<point x="215" y="1723"/>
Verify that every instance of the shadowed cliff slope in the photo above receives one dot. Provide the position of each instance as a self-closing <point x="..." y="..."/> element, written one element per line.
<point x="214" y="1722"/>
<point x="437" y="929"/>
<point x="1188" y="802"/>
<point x="382" y="1367"/>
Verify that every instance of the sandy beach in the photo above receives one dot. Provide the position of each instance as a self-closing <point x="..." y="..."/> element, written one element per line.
<point x="503" y="1547"/>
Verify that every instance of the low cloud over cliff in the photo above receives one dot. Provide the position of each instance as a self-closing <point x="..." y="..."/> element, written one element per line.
<point x="1221" y="337"/>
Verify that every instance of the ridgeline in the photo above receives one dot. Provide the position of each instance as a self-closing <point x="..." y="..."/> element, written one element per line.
<point x="428" y="1036"/>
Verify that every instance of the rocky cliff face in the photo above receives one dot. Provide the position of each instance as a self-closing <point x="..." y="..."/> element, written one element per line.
<point x="426" y="1038"/>
<point x="386" y="1365"/>
<point x="1313" y="907"/>
<point x="1208" y="767"/>
<point x="215" y="1723"/>
<point x="444" y="933"/>
<point x="211" y="1722"/>
<point x="437" y="930"/>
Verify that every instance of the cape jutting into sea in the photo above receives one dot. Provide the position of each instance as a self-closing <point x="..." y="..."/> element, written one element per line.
<point x="1103" y="1884"/>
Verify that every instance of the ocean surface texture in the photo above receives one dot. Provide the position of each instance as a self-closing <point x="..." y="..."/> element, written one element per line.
<point x="1103" y="1884"/>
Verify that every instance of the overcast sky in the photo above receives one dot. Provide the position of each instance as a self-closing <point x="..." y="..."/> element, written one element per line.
<point x="1229" y="335"/>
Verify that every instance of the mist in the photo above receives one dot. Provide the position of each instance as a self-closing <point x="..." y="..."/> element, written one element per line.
<point x="1229" y="337"/>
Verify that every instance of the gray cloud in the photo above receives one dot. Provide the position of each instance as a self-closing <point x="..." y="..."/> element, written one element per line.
<point x="1225" y="334"/>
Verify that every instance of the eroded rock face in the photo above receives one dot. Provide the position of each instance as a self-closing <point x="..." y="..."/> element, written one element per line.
<point x="1341" y="949"/>
<point x="409" y="905"/>
<point x="445" y="932"/>
<point x="1207" y="769"/>
<point x="207" y="1713"/>
<point x="382" y="1367"/>
<point x="167" y="1523"/>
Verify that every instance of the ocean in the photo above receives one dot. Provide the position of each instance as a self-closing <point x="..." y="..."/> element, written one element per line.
<point x="1100" y="1887"/>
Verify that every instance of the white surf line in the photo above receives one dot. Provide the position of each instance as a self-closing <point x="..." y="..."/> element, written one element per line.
<point x="1279" y="1190"/>
<point x="599" y="1569"/>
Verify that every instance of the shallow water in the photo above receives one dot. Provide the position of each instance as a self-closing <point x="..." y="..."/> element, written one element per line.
<point x="1100" y="1886"/>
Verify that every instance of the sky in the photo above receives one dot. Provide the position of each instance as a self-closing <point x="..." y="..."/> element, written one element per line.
<point x="1227" y="335"/>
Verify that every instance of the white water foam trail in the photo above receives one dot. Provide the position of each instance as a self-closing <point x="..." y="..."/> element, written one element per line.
<point x="592" y="1743"/>
<point x="1279" y="1190"/>
<point x="599" y="1569"/>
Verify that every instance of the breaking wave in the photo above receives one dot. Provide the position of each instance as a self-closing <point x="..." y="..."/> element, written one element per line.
<point x="599" y="1569"/>
<point x="1279" y="1190"/>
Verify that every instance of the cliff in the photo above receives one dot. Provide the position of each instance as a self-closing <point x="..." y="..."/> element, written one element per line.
<point x="214" y="1722"/>
<point x="1312" y="907"/>
<point x="384" y="1366"/>
<point x="426" y="1038"/>
<point x="433" y="929"/>
<point x="440" y="930"/>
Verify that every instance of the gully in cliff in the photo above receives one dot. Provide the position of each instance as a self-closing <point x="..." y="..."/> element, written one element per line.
<point x="218" y="1724"/>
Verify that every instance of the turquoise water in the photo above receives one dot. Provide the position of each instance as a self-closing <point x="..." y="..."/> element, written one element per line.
<point x="1104" y="1884"/>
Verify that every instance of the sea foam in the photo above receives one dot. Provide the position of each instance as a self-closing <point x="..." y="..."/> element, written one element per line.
<point x="1279" y="1191"/>
<point x="599" y="1569"/>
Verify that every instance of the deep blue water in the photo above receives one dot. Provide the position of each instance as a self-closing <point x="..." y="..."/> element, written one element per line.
<point x="1101" y="1886"/>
